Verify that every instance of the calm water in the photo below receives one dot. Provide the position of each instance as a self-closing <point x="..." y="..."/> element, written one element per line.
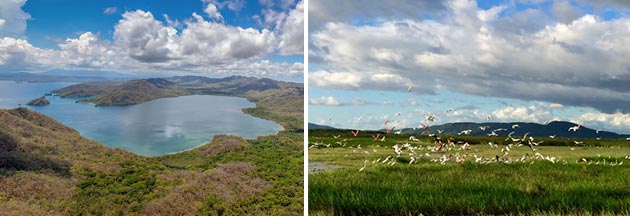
<point x="157" y="127"/>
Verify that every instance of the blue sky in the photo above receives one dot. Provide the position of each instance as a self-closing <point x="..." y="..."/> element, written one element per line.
<point x="55" y="28"/>
<point x="512" y="60"/>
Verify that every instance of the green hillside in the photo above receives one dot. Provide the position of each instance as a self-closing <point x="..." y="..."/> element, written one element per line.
<point x="47" y="168"/>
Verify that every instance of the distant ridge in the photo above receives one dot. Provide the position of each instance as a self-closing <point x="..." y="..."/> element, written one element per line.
<point x="312" y="126"/>
<point x="557" y="128"/>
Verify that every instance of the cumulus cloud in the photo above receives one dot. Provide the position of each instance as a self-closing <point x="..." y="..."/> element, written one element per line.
<point x="141" y="43"/>
<point x="332" y="101"/>
<point x="213" y="12"/>
<point x="565" y="11"/>
<point x="292" y="32"/>
<point x="327" y="101"/>
<point x="614" y="121"/>
<point x="580" y="62"/>
<point x="13" y="19"/>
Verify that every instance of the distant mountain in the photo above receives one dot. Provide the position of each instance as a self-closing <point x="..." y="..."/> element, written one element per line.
<point x="558" y="128"/>
<point x="89" y="73"/>
<point x="63" y="76"/>
<point x="138" y="91"/>
<point x="141" y="90"/>
<point x="312" y="126"/>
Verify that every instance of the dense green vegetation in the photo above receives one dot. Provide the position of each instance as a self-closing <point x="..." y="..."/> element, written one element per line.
<point x="587" y="179"/>
<point x="47" y="168"/>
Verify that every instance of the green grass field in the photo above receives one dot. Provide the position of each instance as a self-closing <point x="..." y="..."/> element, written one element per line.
<point x="590" y="179"/>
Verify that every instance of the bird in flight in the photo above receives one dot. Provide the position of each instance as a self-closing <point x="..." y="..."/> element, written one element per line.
<point x="355" y="133"/>
<point x="574" y="128"/>
<point x="514" y="126"/>
<point x="376" y="136"/>
<point x="364" y="165"/>
<point x="409" y="88"/>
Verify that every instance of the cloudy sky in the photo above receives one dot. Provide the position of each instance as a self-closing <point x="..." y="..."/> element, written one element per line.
<point x="217" y="38"/>
<point x="512" y="60"/>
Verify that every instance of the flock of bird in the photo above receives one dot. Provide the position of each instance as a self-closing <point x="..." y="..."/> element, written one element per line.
<point x="443" y="152"/>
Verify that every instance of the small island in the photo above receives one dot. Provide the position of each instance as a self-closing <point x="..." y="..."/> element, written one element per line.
<point x="41" y="101"/>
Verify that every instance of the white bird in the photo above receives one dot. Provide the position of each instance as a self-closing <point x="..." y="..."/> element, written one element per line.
<point x="409" y="88"/>
<point x="440" y="131"/>
<point x="489" y="117"/>
<point x="337" y="137"/>
<point x="493" y="134"/>
<point x="364" y="165"/>
<point x="552" y="136"/>
<point x="547" y="122"/>
<point x="398" y="132"/>
<point x="358" y="118"/>
<point x="398" y="114"/>
<point x="515" y="126"/>
<point x="483" y="128"/>
<point x="598" y="130"/>
<point x="413" y="138"/>
<point x="465" y="132"/>
<point x="578" y="143"/>
<point x="574" y="128"/>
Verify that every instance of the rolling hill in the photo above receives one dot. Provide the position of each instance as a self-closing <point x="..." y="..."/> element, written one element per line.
<point x="47" y="168"/>
<point x="141" y="90"/>
<point x="557" y="128"/>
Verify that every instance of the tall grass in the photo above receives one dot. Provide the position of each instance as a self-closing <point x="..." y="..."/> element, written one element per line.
<point x="472" y="189"/>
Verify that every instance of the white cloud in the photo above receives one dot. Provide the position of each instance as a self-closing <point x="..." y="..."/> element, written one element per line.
<point x="471" y="50"/>
<point x="14" y="19"/>
<point x="292" y="32"/>
<point x="613" y="122"/>
<point x="213" y="12"/>
<point x="144" y="44"/>
<point x="110" y="10"/>
<point x="233" y="5"/>
<point x="332" y="101"/>
<point x="565" y="11"/>
<point x="145" y="38"/>
<point x="327" y="101"/>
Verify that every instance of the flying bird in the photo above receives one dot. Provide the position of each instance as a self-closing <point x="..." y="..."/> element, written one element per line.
<point x="355" y="133"/>
<point x="424" y="127"/>
<point x="337" y="137"/>
<point x="376" y="136"/>
<point x="515" y="126"/>
<point x="364" y="165"/>
<point x="409" y="88"/>
<point x="574" y="128"/>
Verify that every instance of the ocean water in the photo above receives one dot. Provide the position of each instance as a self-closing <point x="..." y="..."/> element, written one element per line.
<point x="153" y="128"/>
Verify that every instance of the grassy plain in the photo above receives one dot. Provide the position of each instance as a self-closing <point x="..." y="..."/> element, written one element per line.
<point x="593" y="178"/>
